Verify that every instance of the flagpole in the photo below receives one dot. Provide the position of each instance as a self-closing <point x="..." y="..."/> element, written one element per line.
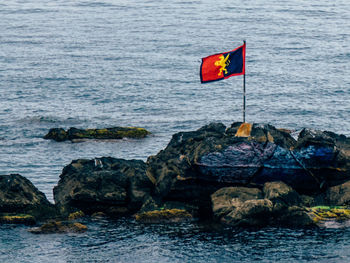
<point x="244" y="90"/>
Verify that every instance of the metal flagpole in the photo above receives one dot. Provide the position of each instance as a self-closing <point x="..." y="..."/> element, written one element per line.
<point x="244" y="90"/>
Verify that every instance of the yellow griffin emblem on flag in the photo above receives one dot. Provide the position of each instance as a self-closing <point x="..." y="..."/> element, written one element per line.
<point x="222" y="63"/>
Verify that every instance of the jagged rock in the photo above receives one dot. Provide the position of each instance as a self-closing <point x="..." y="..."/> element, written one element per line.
<point x="109" y="185"/>
<point x="59" y="134"/>
<point x="164" y="216"/>
<point x="54" y="227"/>
<point x="21" y="201"/>
<point x="174" y="172"/>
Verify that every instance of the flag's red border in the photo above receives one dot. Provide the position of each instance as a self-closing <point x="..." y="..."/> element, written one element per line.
<point x="226" y="77"/>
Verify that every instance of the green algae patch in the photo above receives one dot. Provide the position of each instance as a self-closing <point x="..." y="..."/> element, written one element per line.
<point x="164" y="216"/>
<point x="58" y="134"/>
<point x="76" y="215"/>
<point x="322" y="214"/>
<point x="17" y="219"/>
<point x="54" y="227"/>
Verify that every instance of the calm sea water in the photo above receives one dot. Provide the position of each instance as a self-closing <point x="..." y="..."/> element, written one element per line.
<point x="111" y="63"/>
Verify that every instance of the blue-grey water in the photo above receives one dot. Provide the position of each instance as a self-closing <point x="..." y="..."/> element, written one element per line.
<point x="112" y="63"/>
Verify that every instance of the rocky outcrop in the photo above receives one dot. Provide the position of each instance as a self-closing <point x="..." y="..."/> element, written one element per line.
<point x="74" y="134"/>
<point x="196" y="164"/>
<point x="109" y="185"/>
<point x="22" y="202"/>
<point x="244" y="175"/>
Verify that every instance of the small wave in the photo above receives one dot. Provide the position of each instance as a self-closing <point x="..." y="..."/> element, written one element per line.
<point x="27" y="11"/>
<point x="94" y="4"/>
<point x="50" y="120"/>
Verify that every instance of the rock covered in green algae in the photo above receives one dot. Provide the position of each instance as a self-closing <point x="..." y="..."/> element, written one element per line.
<point x="164" y="216"/>
<point x="25" y="219"/>
<point x="323" y="214"/>
<point x="22" y="202"/>
<point x="72" y="134"/>
<point x="54" y="227"/>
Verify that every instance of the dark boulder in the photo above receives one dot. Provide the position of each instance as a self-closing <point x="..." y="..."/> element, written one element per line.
<point x="281" y="195"/>
<point x="74" y="134"/>
<point x="339" y="195"/>
<point x="57" y="134"/>
<point x="226" y="199"/>
<point x="278" y="204"/>
<point x="22" y="202"/>
<point x="250" y="213"/>
<point x="174" y="170"/>
<point x="109" y="185"/>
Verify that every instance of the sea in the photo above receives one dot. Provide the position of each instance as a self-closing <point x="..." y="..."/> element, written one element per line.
<point x="107" y="63"/>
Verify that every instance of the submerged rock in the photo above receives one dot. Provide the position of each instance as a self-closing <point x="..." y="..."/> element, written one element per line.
<point x="321" y="215"/>
<point x="54" y="227"/>
<point x="21" y="201"/>
<point x="25" y="219"/>
<point x="164" y="216"/>
<point x="109" y="185"/>
<point x="72" y="134"/>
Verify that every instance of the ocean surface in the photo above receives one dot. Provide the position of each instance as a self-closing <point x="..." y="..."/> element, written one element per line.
<point x="95" y="64"/>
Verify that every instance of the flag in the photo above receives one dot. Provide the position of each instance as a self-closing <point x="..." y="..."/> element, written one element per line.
<point x="223" y="65"/>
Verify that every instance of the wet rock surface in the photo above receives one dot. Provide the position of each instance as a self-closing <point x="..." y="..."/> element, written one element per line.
<point x="109" y="185"/>
<point x="58" y="227"/>
<point x="196" y="164"/>
<point x="164" y="216"/>
<point x="21" y="201"/>
<point x="74" y="134"/>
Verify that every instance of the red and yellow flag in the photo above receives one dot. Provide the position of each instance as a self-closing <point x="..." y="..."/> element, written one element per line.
<point x="223" y="65"/>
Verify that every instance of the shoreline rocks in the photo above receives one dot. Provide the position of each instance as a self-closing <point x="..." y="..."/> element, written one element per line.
<point x="74" y="134"/>
<point x="243" y="175"/>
